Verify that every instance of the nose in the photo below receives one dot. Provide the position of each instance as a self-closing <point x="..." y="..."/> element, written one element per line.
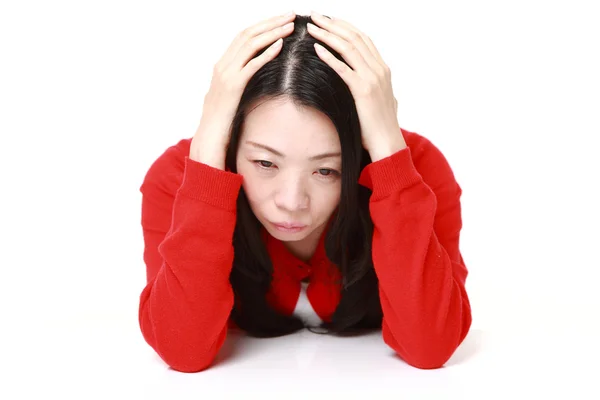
<point x="292" y="195"/>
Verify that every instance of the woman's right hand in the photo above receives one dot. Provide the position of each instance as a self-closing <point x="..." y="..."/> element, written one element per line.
<point x="230" y="77"/>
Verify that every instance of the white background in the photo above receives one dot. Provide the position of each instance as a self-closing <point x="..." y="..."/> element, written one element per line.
<point x="92" y="92"/>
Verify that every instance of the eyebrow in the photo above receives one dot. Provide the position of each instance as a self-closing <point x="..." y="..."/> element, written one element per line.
<point x="277" y="153"/>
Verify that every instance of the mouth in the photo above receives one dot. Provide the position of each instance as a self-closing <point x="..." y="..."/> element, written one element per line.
<point x="290" y="227"/>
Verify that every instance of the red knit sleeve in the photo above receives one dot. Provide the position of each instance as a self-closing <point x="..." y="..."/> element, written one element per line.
<point x="188" y="218"/>
<point x="417" y="223"/>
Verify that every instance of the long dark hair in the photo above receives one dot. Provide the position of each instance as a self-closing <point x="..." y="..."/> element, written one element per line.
<point x="299" y="75"/>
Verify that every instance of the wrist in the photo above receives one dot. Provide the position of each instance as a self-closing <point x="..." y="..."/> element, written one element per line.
<point x="386" y="148"/>
<point x="209" y="155"/>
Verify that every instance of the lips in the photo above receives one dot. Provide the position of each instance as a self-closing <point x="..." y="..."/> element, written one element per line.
<point x="289" y="225"/>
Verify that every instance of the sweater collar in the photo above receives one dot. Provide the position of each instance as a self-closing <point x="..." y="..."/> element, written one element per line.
<point x="292" y="265"/>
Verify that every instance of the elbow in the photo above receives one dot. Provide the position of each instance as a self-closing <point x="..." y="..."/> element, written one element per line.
<point x="428" y="361"/>
<point x="189" y="358"/>
<point x="432" y="353"/>
<point x="424" y="357"/>
<point x="183" y="356"/>
<point x="432" y="350"/>
<point x="429" y="353"/>
<point x="180" y="350"/>
<point x="189" y="364"/>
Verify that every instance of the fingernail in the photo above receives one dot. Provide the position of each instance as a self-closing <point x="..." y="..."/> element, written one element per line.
<point x="289" y="14"/>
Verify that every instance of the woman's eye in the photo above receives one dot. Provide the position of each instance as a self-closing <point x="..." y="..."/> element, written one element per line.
<point x="264" y="164"/>
<point x="328" y="172"/>
<point x="325" y="172"/>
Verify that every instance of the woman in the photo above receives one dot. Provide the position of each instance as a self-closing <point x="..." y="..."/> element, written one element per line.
<point x="300" y="202"/>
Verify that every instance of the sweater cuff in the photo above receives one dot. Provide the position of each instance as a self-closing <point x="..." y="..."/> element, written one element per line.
<point x="210" y="185"/>
<point x="390" y="174"/>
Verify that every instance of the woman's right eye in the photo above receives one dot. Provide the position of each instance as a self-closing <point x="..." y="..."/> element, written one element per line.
<point x="263" y="163"/>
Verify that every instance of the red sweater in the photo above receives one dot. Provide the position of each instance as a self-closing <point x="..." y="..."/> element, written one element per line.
<point x="188" y="218"/>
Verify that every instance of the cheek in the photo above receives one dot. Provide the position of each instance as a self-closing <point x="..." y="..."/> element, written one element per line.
<point x="328" y="199"/>
<point x="248" y="179"/>
<point x="255" y="189"/>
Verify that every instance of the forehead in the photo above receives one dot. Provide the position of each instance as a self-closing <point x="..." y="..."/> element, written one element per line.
<point x="282" y="124"/>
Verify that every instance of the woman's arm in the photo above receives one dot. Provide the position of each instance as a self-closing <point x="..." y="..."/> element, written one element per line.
<point x="188" y="219"/>
<point x="417" y="223"/>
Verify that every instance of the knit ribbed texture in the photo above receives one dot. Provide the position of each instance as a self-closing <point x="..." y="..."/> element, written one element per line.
<point x="210" y="185"/>
<point x="390" y="174"/>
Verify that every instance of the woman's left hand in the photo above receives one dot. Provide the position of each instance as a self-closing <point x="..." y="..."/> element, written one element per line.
<point x="369" y="80"/>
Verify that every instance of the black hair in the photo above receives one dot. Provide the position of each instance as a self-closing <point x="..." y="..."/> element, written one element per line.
<point x="299" y="75"/>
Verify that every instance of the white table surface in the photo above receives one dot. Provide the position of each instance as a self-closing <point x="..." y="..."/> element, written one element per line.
<point x="101" y="356"/>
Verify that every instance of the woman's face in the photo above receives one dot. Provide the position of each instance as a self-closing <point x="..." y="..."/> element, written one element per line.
<point x="290" y="160"/>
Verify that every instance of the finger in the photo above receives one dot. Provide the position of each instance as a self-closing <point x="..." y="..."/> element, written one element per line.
<point x="257" y="62"/>
<point x="254" y="30"/>
<point x="252" y="46"/>
<point x="364" y="37"/>
<point x="346" y="73"/>
<point x="350" y="52"/>
<point x="351" y="35"/>
<point x="373" y="49"/>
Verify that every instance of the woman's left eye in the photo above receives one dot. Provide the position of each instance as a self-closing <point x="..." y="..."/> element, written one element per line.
<point x="328" y="172"/>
